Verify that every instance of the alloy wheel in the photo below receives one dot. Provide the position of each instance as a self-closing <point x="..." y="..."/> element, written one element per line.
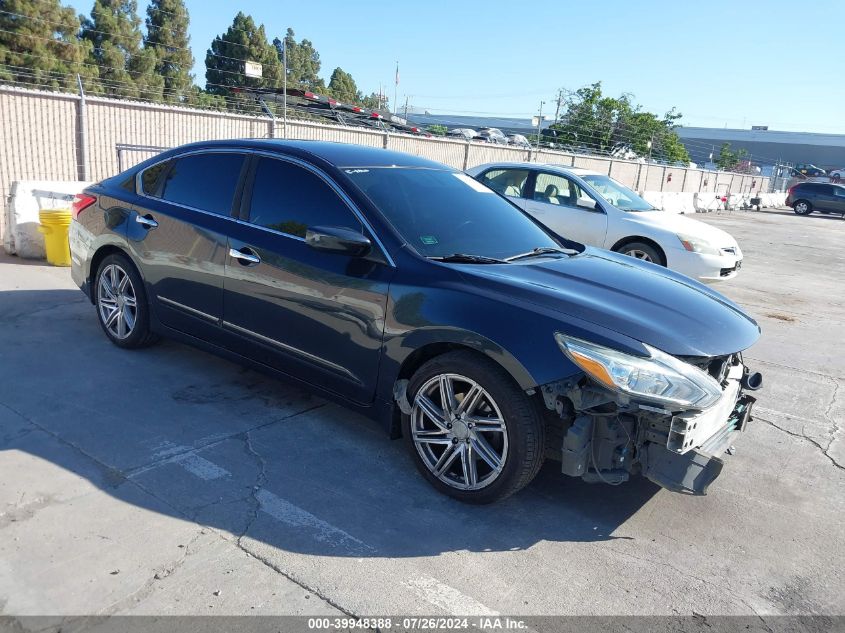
<point x="638" y="254"/>
<point x="459" y="432"/>
<point x="801" y="208"/>
<point x="116" y="301"/>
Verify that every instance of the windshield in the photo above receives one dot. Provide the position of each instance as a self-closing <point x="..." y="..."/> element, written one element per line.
<point x="444" y="212"/>
<point x="618" y="195"/>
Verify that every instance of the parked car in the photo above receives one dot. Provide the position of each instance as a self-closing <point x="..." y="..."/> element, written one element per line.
<point x="462" y="133"/>
<point x="415" y="295"/>
<point x="810" y="170"/>
<point x="806" y="197"/>
<point x="594" y="209"/>
<point x="837" y="174"/>
<point x="492" y="135"/>
<point x="518" y="140"/>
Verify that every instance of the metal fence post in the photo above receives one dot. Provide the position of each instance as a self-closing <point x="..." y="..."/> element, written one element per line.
<point x="386" y="139"/>
<point x="466" y="155"/>
<point x="82" y="134"/>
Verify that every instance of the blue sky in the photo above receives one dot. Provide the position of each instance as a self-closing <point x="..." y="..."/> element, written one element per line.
<point x="721" y="63"/>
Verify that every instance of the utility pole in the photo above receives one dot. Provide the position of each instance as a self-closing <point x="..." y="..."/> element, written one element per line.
<point x="406" y="107"/>
<point x="539" y="123"/>
<point x="650" y="144"/>
<point x="396" y="88"/>
<point x="285" y="84"/>
<point x="559" y="101"/>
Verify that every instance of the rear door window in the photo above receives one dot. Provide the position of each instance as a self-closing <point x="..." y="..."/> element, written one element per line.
<point x="289" y="199"/>
<point x="508" y="182"/>
<point x="204" y="181"/>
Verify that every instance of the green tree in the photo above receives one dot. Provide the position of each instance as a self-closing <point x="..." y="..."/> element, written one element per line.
<point x="438" y="130"/>
<point x="730" y="160"/>
<point x="167" y="36"/>
<point x="38" y="45"/>
<point x="124" y="68"/>
<point x="303" y="62"/>
<point x="374" y="101"/>
<point x="200" y="98"/>
<point x="599" y="123"/>
<point x="224" y="63"/>
<point x="342" y="87"/>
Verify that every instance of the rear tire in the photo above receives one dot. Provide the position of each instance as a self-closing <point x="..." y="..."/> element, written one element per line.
<point x="489" y="444"/>
<point x="642" y="251"/>
<point x="121" y="301"/>
<point x="802" y="207"/>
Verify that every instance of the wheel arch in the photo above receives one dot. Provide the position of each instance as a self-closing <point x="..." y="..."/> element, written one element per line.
<point x="434" y="348"/>
<point x="99" y="255"/>
<point x="630" y="239"/>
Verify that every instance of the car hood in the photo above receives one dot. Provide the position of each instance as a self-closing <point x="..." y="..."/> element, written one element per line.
<point x="640" y="301"/>
<point x="677" y="223"/>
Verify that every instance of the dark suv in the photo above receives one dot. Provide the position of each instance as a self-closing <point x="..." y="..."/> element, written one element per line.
<point x="823" y="197"/>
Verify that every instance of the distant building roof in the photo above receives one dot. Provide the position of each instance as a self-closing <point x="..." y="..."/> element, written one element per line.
<point x="766" y="146"/>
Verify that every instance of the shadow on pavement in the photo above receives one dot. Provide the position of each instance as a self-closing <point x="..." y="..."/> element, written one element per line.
<point x="182" y="432"/>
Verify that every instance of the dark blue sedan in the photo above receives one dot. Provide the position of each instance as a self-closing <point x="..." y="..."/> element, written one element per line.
<point x="416" y="295"/>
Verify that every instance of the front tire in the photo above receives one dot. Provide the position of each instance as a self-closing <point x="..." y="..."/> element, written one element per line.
<point x="642" y="251"/>
<point x="121" y="302"/>
<point x="486" y="442"/>
<point x="802" y="207"/>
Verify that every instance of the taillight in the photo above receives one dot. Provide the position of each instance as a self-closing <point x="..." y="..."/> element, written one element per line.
<point x="81" y="202"/>
<point x="790" y="190"/>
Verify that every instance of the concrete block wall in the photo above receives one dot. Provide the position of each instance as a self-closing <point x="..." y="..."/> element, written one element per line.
<point x="40" y="140"/>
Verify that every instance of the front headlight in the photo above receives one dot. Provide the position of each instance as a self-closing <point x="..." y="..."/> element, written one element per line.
<point x="698" y="245"/>
<point x="660" y="378"/>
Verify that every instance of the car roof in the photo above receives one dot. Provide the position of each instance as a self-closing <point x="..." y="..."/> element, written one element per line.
<point x="338" y="154"/>
<point x="577" y="171"/>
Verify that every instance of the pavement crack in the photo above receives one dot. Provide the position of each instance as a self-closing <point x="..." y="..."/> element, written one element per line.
<point x="176" y="456"/>
<point x="801" y="436"/>
<point x="260" y="481"/>
<point x="112" y="476"/>
<point x="834" y="425"/>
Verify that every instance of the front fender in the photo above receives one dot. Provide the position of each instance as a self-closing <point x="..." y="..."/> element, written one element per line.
<point x="520" y="340"/>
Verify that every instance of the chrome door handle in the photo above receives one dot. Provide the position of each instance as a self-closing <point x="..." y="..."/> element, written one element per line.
<point x="145" y="221"/>
<point x="247" y="258"/>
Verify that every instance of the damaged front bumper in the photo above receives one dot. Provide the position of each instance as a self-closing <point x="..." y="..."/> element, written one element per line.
<point x="691" y="472"/>
<point x="606" y="437"/>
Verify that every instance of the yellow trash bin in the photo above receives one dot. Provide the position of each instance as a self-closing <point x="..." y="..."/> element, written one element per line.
<point x="54" y="227"/>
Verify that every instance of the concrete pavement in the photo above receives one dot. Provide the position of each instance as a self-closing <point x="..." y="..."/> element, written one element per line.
<point x="167" y="481"/>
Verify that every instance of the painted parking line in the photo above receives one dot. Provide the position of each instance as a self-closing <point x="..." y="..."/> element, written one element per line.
<point x="294" y="516"/>
<point x="447" y="598"/>
<point x="201" y="467"/>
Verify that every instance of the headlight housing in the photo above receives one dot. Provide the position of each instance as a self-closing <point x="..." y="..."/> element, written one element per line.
<point x="698" y="245"/>
<point x="659" y="378"/>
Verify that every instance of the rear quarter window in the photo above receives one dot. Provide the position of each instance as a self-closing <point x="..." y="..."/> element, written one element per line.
<point x="151" y="176"/>
<point x="204" y="181"/>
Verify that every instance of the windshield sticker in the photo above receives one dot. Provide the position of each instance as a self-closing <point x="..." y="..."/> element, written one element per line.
<point x="428" y="240"/>
<point x="357" y="171"/>
<point x="472" y="182"/>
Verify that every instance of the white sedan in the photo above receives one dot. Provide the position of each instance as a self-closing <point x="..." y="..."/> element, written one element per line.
<point x="592" y="208"/>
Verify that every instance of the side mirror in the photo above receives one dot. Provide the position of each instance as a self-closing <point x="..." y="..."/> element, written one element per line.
<point x="586" y="203"/>
<point x="338" y="239"/>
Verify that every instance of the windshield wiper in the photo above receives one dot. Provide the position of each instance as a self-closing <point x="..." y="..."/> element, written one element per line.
<point x="469" y="259"/>
<point x="543" y="250"/>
